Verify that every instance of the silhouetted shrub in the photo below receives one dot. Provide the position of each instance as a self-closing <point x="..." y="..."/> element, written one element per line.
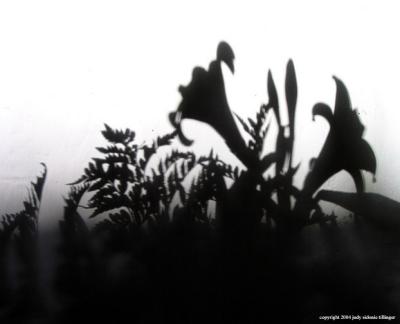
<point x="184" y="238"/>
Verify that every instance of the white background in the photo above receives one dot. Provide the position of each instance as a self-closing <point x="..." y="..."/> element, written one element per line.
<point x="66" y="67"/>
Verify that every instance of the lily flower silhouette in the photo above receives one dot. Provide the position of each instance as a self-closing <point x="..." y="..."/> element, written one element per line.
<point x="344" y="147"/>
<point x="204" y="100"/>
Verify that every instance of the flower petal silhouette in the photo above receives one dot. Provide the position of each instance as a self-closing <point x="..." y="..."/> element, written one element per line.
<point x="204" y="100"/>
<point x="344" y="148"/>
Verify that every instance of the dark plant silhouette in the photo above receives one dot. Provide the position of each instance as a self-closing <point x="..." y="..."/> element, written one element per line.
<point x="344" y="148"/>
<point x="184" y="238"/>
<point x="379" y="210"/>
<point x="214" y="110"/>
<point x="119" y="182"/>
<point x="204" y="99"/>
<point x="21" y="231"/>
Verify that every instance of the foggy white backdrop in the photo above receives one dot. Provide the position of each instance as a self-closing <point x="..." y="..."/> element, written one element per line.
<point x="68" y="67"/>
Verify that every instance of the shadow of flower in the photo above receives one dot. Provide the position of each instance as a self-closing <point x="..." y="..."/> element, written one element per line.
<point x="204" y="100"/>
<point x="344" y="147"/>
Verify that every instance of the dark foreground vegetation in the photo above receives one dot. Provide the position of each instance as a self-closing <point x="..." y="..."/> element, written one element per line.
<point x="183" y="238"/>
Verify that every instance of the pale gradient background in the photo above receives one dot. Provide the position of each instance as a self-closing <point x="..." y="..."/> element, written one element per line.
<point x="66" y="67"/>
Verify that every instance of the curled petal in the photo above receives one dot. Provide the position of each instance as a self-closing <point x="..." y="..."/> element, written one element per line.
<point x="184" y="140"/>
<point x="323" y="110"/>
<point x="225" y="54"/>
<point x="176" y="123"/>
